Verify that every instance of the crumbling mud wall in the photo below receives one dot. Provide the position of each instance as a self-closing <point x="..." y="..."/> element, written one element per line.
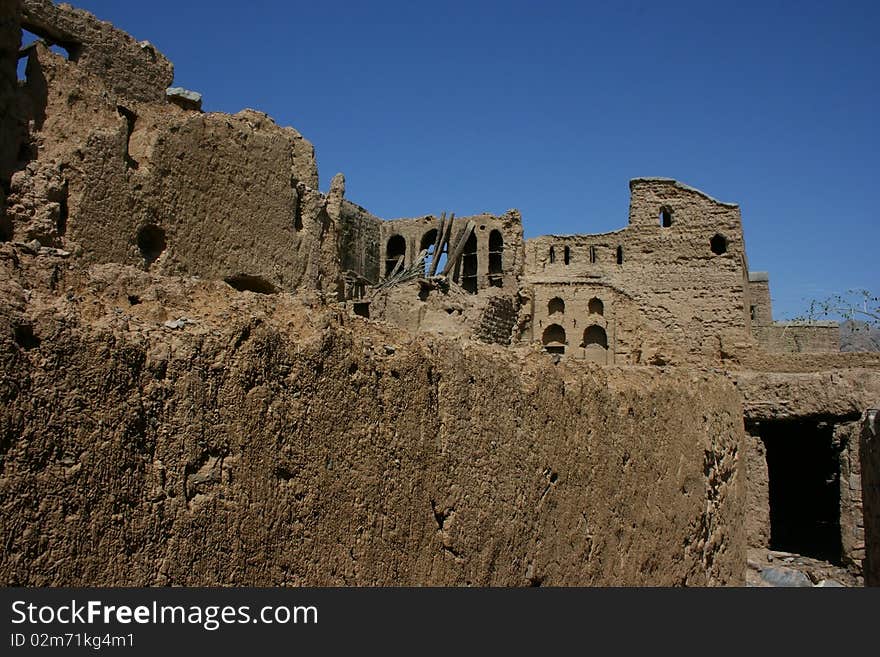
<point x="359" y="243"/>
<point x="132" y="69"/>
<point x="680" y="264"/>
<point x="110" y="170"/>
<point x="159" y="431"/>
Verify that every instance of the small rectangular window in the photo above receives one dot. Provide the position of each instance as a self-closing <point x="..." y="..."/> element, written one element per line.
<point x="593" y="254"/>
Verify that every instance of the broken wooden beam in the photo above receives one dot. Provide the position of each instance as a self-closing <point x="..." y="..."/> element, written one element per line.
<point x="437" y="240"/>
<point x="459" y="247"/>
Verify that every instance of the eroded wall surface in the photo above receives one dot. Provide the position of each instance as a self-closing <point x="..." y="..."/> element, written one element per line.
<point x="112" y="171"/>
<point x="264" y="442"/>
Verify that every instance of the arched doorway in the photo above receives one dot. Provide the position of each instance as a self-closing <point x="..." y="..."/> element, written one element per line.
<point x="396" y="250"/>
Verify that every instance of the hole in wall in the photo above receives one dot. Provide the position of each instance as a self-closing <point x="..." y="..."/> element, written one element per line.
<point x="596" y="307"/>
<point x="151" y="243"/>
<point x="362" y="309"/>
<point x="250" y="283"/>
<point x="25" y="337"/>
<point x="566" y="255"/>
<point x="718" y="244"/>
<point x="63" y="212"/>
<point x="619" y="255"/>
<point x="665" y="217"/>
<point x="556" y="305"/>
<point x="297" y="212"/>
<point x="130" y="119"/>
<point x="133" y="299"/>
<point x="552" y="255"/>
<point x="70" y="50"/>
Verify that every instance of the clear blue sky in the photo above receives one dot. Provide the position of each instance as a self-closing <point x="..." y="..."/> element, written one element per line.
<point x="551" y="107"/>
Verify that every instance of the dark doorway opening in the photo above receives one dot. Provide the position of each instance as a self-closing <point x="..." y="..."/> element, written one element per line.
<point x="803" y="466"/>
<point x="394" y="254"/>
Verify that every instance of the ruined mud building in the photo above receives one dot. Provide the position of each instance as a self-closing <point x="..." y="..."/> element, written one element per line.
<point x="118" y="193"/>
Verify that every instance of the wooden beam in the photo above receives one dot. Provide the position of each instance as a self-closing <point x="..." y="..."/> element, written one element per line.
<point x="459" y="247"/>
<point x="436" y="259"/>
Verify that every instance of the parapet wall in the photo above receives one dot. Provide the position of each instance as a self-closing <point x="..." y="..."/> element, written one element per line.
<point x="269" y="443"/>
<point x="792" y="337"/>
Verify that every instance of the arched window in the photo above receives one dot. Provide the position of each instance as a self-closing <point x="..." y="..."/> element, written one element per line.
<point x="619" y="255"/>
<point x="428" y="240"/>
<point x="394" y="252"/>
<point x="596" y="307"/>
<point x="566" y="255"/>
<point x="595" y="335"/>
<point x="427" y="244"/>
<point x="718" y="244"/>
<point x="552" y="255"/>
<point x="469" y="264"/>
<point x="556" y="305"/>
<point x="496" y="258"/>
<point x="665" y="217"/>
<point x="553" y="339"/>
